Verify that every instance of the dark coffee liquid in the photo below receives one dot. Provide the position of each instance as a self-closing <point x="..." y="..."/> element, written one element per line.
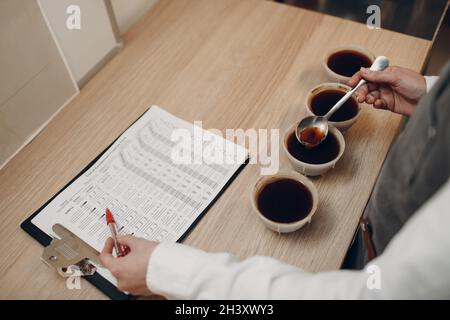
<point x="348" y="62"/>
<point x="322" y="102"/>
<point x="325" y="152"/>
<point x="311" y="136"/>
<point x="285" y="200"/>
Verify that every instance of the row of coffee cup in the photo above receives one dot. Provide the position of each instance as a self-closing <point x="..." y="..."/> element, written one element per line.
<point x="287" y="201"/>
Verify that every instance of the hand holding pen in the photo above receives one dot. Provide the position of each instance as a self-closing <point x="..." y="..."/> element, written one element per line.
<point x="129" y="266"/>
<point x="120" y="249"/>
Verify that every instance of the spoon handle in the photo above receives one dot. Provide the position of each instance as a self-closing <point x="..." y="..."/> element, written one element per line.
<point x="344" y="99"/>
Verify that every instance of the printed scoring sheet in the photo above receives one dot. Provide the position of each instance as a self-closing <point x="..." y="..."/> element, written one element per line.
<point x="151" y="195"/>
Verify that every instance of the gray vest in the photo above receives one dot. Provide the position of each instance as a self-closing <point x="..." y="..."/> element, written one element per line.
<point x="417" y="165"/>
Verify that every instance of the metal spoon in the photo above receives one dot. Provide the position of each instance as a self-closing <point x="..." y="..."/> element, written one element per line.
<point x="311" y="131"/>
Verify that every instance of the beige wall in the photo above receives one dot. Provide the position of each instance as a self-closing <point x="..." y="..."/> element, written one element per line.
<point x="88" y="46"/>
<point x="34" y="80"/>
<point x="129" y="11"/>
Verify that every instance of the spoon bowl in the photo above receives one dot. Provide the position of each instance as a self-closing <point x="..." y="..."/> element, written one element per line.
<point x="313" y="130"/>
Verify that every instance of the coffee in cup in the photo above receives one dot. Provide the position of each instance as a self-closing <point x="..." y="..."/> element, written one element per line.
<point x="317" y="160"/>
<point x="324" y="96"/>
<point x="285" y="202"/>
<point x="343" y="62"/>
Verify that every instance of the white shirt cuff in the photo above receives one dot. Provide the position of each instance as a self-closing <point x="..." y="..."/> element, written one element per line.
<point x="171" y="267"/>
<point x="430" y="81"/>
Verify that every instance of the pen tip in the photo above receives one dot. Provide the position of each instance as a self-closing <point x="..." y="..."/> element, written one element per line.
<point x="109" y="216"/>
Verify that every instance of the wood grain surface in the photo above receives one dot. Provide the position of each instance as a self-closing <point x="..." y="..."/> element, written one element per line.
<point x="231" y="64"/>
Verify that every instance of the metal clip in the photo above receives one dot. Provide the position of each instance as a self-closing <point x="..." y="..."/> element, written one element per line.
<point x="69" y="254"/>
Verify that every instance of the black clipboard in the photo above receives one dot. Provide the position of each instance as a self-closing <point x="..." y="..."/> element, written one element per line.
<point x="96" y="279"/>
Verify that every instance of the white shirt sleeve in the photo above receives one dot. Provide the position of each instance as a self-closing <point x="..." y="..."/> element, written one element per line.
<point x="430" y="81"/>
<point x="415" y="265"/>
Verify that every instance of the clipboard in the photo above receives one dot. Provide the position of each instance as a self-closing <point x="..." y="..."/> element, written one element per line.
<point x="96" y="279"/>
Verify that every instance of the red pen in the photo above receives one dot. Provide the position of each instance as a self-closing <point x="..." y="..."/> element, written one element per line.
<point x="120" y="249"/>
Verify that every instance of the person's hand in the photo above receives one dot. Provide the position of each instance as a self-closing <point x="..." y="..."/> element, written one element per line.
<point x="395" y="88"/>
<point x="130" y="270"/>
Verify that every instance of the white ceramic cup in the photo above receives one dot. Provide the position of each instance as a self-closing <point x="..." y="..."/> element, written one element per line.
<point x="279" y="226"/>
<point x="339" y="77"/>
<point x="341" y="125"/>
<point x="311" y="169"/>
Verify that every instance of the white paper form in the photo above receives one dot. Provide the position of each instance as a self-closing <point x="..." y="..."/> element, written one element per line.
<point x="150" y="195"/>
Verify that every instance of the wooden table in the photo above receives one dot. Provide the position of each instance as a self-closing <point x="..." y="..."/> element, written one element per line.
<point x="231" y="64"/>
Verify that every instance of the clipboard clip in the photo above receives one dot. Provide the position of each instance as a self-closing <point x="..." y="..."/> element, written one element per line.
<point x="69" y="255"/>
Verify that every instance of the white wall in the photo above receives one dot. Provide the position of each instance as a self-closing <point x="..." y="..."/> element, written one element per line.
<point x="34" y="80"/>
<point x="129" y="11"/>
<point x="83" y="49"/>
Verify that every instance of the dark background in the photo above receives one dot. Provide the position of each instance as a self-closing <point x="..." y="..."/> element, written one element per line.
<point x="418" y="18"/>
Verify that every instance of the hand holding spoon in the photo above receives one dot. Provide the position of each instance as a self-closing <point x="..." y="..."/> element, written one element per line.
<point x="312" y="130"/>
